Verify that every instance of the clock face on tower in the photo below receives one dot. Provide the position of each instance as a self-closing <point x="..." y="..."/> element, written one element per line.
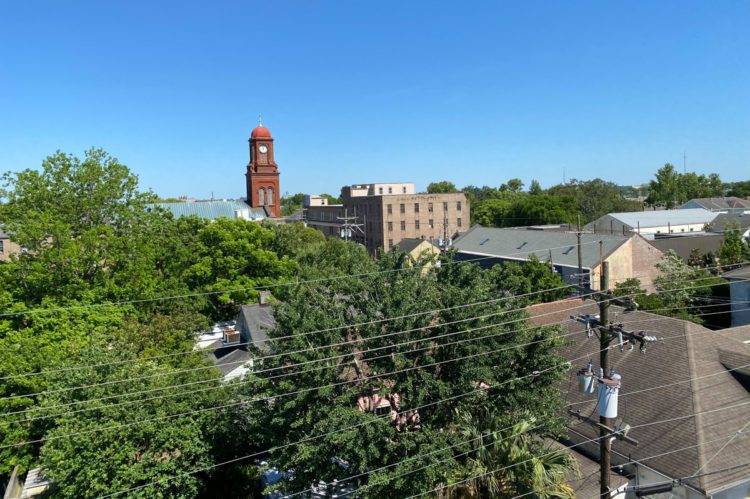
<point x="263" y="149"/>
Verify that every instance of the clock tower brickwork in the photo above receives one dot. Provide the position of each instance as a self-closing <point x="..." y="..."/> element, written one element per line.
<point x="262" y="175"/>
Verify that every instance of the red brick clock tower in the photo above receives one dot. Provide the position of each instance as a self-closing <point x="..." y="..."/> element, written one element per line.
<point x="263" y="173"/>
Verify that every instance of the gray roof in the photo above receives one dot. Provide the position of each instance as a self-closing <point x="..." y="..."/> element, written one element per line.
<point x="727" y="203"/>
<point x="586" y="485"/>
<point x="513" y="244"/>
<point x="211" y="210"/>
<point x="661" y="218"/>
<point x="723" y="219"/>
<point x="689" y="360"/>
<point x="228" y="358"/>
<point x="255" y="321"/>
<point x="739" y="273"/>
<point x="408" y="245"/>
<point x="684" y="245"/>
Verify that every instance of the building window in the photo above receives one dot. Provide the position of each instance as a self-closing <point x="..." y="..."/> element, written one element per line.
<point x="269" y="198"/>
<point x="403" y="225"/>
<point x="390" y="226"/>
<point x="429" y="207"/>
<point x="380" y="190"/>
<point x="390" y="243"/>
<point x="390" y="209"/>
<point x="458" y="222"/>
<point x="416" y="207"/>
<point x="403" y="190"/>
<point x="458" y="205"/>
<point x="261" y="196"/>
<point x="2" y="246"/>
<point x="390" y="190"/>
<point x="445" y="206"/>
<point x="416" y="224"/>
<point x="402" y="208"/>
<point x="430" y="224"/>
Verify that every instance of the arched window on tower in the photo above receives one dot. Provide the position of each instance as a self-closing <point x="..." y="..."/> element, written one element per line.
<point x="270" y="199"/>
<point x="261" y="196"/>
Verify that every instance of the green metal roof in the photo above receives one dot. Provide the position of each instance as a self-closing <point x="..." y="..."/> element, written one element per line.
<point x="520" y="244"/>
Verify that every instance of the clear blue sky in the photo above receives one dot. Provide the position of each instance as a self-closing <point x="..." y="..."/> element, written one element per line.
<point x="472" y="92"/>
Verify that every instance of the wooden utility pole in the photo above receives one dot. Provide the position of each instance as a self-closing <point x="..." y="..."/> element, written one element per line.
<point x="348" y="223"/>
<point x="604" y="342"/>
<point x="580" y="257"/>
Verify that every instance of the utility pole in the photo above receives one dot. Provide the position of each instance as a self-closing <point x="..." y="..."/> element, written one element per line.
<point x="348" y="223"/>
<point x="580" y="257"/>
<point x="445" y="230"/>
<point x="604" y="342"/>
<point x="607" y="332"/>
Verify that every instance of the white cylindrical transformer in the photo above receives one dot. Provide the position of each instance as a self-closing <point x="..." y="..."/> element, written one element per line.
<point x="607" y="398"/>
<point x="586" y="381"/>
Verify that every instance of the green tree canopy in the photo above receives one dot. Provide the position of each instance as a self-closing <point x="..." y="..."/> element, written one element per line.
<point x="441" y="187"/>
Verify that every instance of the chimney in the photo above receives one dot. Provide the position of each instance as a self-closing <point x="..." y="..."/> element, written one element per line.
<point x="265" y="297"/>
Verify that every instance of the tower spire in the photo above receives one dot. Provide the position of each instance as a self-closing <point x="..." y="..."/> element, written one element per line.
<point x="260" y="120"/>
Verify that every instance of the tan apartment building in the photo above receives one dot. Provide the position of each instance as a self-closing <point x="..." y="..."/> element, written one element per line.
<point x="379" y="216"/>
<point x="7" y="247"/>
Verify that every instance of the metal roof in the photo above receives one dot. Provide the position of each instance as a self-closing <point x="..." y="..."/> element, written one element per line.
<point x="663" y="217"/>
<point x="516" y="244"/>
<point x="211" y="210"/>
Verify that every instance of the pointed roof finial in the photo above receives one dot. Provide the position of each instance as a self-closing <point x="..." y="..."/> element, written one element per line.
<point x="260" y="120"/>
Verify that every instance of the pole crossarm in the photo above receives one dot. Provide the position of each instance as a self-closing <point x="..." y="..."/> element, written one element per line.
<point x="619" y="433"/>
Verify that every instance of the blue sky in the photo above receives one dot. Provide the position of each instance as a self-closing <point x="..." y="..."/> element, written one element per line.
<point x="472" y="92"/>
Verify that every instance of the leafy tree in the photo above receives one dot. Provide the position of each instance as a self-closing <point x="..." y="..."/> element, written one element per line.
<point x="734" y="248"/>
<point x="739" y="189"/>
<point x="99" y="461"/>
<point x="441" y="187"/>
<point x="665" y="190"/>
<point x="331" y="199"/>
<point x="535" y="189"/>
<point x="596" y="198"/>
<point x="513" y="185"/>
<point x="671" y="188"/>
<point x="526" y="465"/>
<point x="419" y="372"/>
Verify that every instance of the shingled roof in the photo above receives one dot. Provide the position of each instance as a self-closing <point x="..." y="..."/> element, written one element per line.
<point x="515" y="244"/>
<point x="688" y="351"/>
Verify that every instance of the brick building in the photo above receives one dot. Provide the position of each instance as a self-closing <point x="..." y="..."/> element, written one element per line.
<point x="379" y="216"/>
<point x="262" y="177"/>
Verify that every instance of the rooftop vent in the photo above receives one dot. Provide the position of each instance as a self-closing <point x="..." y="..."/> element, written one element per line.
<point x="568" y="250"/>
<point x="482" y="243"/>
<point x="523" y="244"/>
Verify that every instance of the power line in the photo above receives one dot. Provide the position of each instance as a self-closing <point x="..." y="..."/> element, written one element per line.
<point x="320" y="347"/>
<point x="235" y="385"/>
<point x="566" y="406"/>
<point x="311" y="438"/>
<point x="177" y="394"/>
<point x="56" y="437"/>
<point x="336" y="328"/>
<point x="670" y="420"/>
<point x="250" y="288"/>
<point x="114" y="382"/>
<point x="249" y="456"/>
